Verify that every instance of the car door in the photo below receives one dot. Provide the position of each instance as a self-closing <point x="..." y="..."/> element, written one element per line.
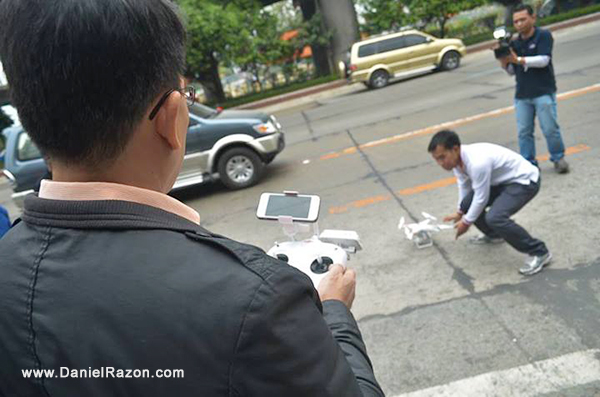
<point x="394" y="54"/>
<point x="423" y="50"/>
<point x="199" y="141"/>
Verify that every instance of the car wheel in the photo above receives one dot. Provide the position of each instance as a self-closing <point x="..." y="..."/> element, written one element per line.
<point x="379" y="79"/>
<point x="239" y="168"/>
<point x="451" y="60"/>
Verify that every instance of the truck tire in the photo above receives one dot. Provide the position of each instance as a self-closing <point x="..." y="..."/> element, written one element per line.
<point x="239" y="167"/>
<point x="379" y="79"/>
<point x="451" y="60"/>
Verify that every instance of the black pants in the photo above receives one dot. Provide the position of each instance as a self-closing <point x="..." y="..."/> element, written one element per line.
<point x="505" y="201"/>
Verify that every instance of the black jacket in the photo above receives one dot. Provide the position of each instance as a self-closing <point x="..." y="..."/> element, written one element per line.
<point x="95" y="285"/>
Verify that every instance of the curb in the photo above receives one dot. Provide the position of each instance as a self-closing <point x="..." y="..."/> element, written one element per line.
<point x="293" y="95"/>
<point x="486" y="45"/>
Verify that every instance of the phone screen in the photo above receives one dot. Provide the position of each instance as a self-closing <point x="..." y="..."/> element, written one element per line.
<point x="294" y="206"/>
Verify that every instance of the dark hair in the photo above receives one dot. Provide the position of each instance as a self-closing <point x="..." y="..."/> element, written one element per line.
<point x="446" y="138"/>
<point x="523" y="7"/>
<point x="82" y="73"/>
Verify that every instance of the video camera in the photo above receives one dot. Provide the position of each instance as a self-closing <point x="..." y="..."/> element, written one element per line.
<point x="503" y="36"/>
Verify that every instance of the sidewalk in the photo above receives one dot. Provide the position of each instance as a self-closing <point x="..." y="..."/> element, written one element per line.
<point x="293" y="95"/>
<point x="342" y="86"/>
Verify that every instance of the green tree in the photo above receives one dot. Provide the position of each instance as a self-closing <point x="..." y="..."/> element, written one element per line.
<point x="384" y="15"/>
<point x="260" y="44"/>
<point x="440" y="11"/>
<point x="313" y="33"/>
<point x="510" y="6"/>
<point x="213" y="30"/>
<point x="287" y="16"/>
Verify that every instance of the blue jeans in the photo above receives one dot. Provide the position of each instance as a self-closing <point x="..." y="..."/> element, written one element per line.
<point x="545" y="107"/>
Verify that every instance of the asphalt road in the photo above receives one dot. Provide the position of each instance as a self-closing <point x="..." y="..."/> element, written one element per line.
<point x="453" y="319"/>
<point x="453" y="316"/>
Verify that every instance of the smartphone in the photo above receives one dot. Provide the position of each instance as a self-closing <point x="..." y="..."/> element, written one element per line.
<point x="301" y="207"/>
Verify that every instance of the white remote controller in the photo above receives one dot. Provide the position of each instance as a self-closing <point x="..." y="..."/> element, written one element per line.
<point x="312" y="257"/>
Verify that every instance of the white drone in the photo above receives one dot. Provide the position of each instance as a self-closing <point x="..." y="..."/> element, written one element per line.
<point x="420" y="232"/>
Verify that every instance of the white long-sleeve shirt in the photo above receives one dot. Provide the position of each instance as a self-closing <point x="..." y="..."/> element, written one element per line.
<point x="485" y="165"/>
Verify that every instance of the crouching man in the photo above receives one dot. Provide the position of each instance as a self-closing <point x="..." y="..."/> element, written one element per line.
<point x="491" y="176"/>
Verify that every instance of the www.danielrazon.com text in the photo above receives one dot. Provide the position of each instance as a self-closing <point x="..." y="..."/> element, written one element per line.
<point x="103" y="372"/>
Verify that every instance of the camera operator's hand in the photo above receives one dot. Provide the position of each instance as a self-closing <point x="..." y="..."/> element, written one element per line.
<point x="504" y="62"/>
<point x="513" y="58"/>
<point x="339" y="284"/>
<point x="453" y="218"/>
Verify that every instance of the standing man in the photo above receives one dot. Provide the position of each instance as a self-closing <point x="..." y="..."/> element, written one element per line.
<point x="491" y="176"/>
<point x="530" y="61"/>
<point x="109" y="282"/>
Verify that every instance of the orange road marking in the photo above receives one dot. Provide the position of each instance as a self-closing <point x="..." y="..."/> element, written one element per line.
<point x="431" y="186"/>
<point x="428" y="186"/>
<point x="568" y="151"/>
<point x="451" y="124"/>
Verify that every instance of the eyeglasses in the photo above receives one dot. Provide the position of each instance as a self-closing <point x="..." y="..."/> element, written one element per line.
<point x="188" y="92"/>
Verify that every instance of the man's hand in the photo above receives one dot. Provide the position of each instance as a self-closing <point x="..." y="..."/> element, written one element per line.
<point x="461" y="228"/>
<point x="339" y="284"/>
<point x="453" y="218"/>
<point x="512" y="58"/>
<point x="504" y="62"/>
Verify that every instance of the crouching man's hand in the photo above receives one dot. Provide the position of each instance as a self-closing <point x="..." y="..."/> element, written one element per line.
<point x="461" y="228"/>
<point x="453" y="218"/>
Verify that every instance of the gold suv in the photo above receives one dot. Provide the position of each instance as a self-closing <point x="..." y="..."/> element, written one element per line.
<point x="376" y="60"/>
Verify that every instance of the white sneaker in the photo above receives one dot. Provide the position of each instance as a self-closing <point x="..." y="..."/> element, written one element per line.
<point x="535" y="264"/>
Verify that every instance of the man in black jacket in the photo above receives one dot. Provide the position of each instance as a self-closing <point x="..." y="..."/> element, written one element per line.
<point x="109" y="286"/>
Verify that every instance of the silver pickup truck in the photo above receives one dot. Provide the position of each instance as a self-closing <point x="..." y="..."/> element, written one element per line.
<point x="232" y="145"/>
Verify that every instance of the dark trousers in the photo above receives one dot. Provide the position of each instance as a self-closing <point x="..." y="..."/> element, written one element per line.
<point x="505" y="201"/>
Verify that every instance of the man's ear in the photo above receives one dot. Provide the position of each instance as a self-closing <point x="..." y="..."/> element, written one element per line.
<point x="167" y="120"/>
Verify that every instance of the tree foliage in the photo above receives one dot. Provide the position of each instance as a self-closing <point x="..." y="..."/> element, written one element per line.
<point x="384" y="15"/>
<point x="260" y="44"/>
<point x="440" y="11"/>
<point x="212" y="28"/>
<point x="510" y="6"/>
<point x="390" y="15"/>
<point x="242" y="34"/>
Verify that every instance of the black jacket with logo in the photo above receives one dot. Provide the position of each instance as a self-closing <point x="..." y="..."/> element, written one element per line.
<point x="534" y="82"/>
<point x="90" y="286"/>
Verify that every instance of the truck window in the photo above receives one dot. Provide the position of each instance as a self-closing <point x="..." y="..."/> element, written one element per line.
<point x="26" y="149"/>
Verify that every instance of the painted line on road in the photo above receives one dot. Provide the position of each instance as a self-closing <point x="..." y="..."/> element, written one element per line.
<point x="431" y="186"/>
<point x="451" y="124"/>
<point x="535" y="379"/>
